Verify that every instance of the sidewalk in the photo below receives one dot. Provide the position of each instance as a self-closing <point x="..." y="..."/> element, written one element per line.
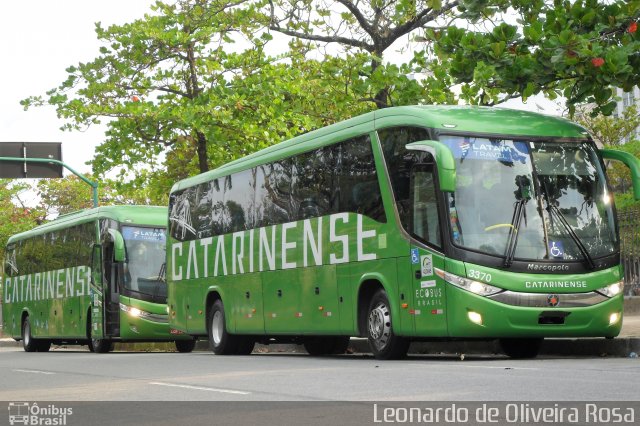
<point x="622" y="346"/>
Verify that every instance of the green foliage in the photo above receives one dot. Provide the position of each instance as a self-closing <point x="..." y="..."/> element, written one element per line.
<point x="178" y="98"/>
<point x="190" y="87"/>
<point x="611" y="132"/>
<point x="370" y="30"/>
<point x="608" y="130"/>
<point x="576" y="49"/>
<point x="620" y="178"/>
<point x="15" y="216"/>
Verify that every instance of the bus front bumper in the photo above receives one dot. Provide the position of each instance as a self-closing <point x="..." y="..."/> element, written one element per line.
<point x="140" y="328"/>
<point x="473" y="316"/>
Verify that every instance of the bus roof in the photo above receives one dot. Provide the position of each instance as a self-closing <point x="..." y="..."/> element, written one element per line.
<point x="134" y="215"/>
<point x="447" y="118"/>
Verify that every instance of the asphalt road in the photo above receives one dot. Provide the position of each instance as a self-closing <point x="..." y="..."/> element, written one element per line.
<point x="68" y="375"/>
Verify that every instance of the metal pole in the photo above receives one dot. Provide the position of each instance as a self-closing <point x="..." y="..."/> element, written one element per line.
<point x="94" y="185"/>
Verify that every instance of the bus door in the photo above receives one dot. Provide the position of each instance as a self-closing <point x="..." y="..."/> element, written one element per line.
<point x="114" y="255"/>
<point x="96" y="293"/>
<point x="428" y="292"/>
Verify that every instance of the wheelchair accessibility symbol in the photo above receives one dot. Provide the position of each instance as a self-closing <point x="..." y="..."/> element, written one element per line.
<point x="556" y="250"/>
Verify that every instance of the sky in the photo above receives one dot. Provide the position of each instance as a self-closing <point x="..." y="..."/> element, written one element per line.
<point x="39" y="39"/>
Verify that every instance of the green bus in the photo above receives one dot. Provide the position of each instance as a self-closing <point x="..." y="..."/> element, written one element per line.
<point x="408" y="223"/>
<point x="92" y="277"/>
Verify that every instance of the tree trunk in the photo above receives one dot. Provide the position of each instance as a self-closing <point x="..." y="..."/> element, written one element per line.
<point x="382" y="97"/>
<point x="201" y="141"/>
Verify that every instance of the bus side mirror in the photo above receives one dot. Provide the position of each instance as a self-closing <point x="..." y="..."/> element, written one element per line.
<point x="630" y="161"/>
<point x="444" y="161"/>
<point x="118" y="245"/>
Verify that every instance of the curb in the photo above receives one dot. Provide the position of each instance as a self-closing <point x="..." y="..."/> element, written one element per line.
<point x="621" y="347"/>
<point x="596" y="347"/>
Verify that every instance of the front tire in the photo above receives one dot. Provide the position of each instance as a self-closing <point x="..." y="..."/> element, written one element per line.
<point x="383" y="342"/>
<point x="521" y="348"/>
<point x="221" y="342"/>
<point x="98" y="346"/>
<point x="101" y="346"/>
<point x="185" y="346"/>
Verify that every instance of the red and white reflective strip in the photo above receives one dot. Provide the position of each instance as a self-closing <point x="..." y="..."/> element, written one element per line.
<point x="298" y="315"/>
<point x="414" y="312"/>
<point x="437" y="311"/>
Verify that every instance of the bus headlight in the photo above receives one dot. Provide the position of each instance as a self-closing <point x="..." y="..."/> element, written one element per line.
<point x="612" y="290"/>
<point x="476" y="287"/>
<point x="134" y="312"/>
<point x="613" y="318"/>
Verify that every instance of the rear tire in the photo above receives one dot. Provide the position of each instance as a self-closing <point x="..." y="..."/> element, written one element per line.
<point x="245" y="345"/>
<point x="185" y="346"/>
<point x="43" y="345"/>
<point x="383" y="342"/>
<point x="326" y="345"/>
<point x="521" y="348"/>
<point x="221" y="342"/>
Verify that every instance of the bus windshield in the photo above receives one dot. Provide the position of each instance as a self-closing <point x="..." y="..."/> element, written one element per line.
<point x="144" y="268"/>
<point x="542" y="200"/>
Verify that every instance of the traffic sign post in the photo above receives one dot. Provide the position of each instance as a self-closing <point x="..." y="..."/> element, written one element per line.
<point x="37" y="160"/>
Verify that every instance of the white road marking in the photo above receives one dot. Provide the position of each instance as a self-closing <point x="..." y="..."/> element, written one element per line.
<point x="33" y="371"/>
<point x="200" y="388"/>
<point x="497" y="368"/>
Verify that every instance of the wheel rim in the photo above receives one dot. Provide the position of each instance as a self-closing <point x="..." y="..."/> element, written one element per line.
<point x="27" y="334"/>
<point x="380" y="325"/>
<point x="217" y="325"/>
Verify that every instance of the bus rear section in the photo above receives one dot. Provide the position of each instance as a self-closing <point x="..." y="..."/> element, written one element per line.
<point x="94" y="277"/>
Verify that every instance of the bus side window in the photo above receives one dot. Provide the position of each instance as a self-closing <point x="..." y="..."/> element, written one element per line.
<point x="358" y="180"/>
<point x="424" y="205"/>
<point x="399" y="162"/>
<point x="10" y="265"/>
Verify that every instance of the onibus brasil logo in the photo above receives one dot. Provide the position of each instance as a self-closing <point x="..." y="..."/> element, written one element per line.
<point x="25" y="413"/>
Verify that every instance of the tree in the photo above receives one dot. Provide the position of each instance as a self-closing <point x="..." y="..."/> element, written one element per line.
<point x="608" y="130"/>
<point x="70" y="194"/>
<point x="178" y="100"/>
<point x="373" y="27"/>
<point x="153" y="81"/>
<point x="576" y="49"/>
<point x="16" y="216"/>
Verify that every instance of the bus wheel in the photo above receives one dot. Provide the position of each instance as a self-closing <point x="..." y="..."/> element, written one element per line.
<point x="185" y="346"/>
<point x="29" y="344"/>
<point x="383" y="342"/>
<point x="521" y="348"/>
<point x="101" y="346"/>
<point x="43" y="345"/>
<point x="329" y="345"/>
<point x="220" y="342"/>
<point x="245" y="345"/>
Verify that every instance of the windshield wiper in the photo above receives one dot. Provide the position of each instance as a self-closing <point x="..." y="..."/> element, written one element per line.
<point x="162" y="273"/>
<point x="512" y="239"/>
<point x="583" y="250"/>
